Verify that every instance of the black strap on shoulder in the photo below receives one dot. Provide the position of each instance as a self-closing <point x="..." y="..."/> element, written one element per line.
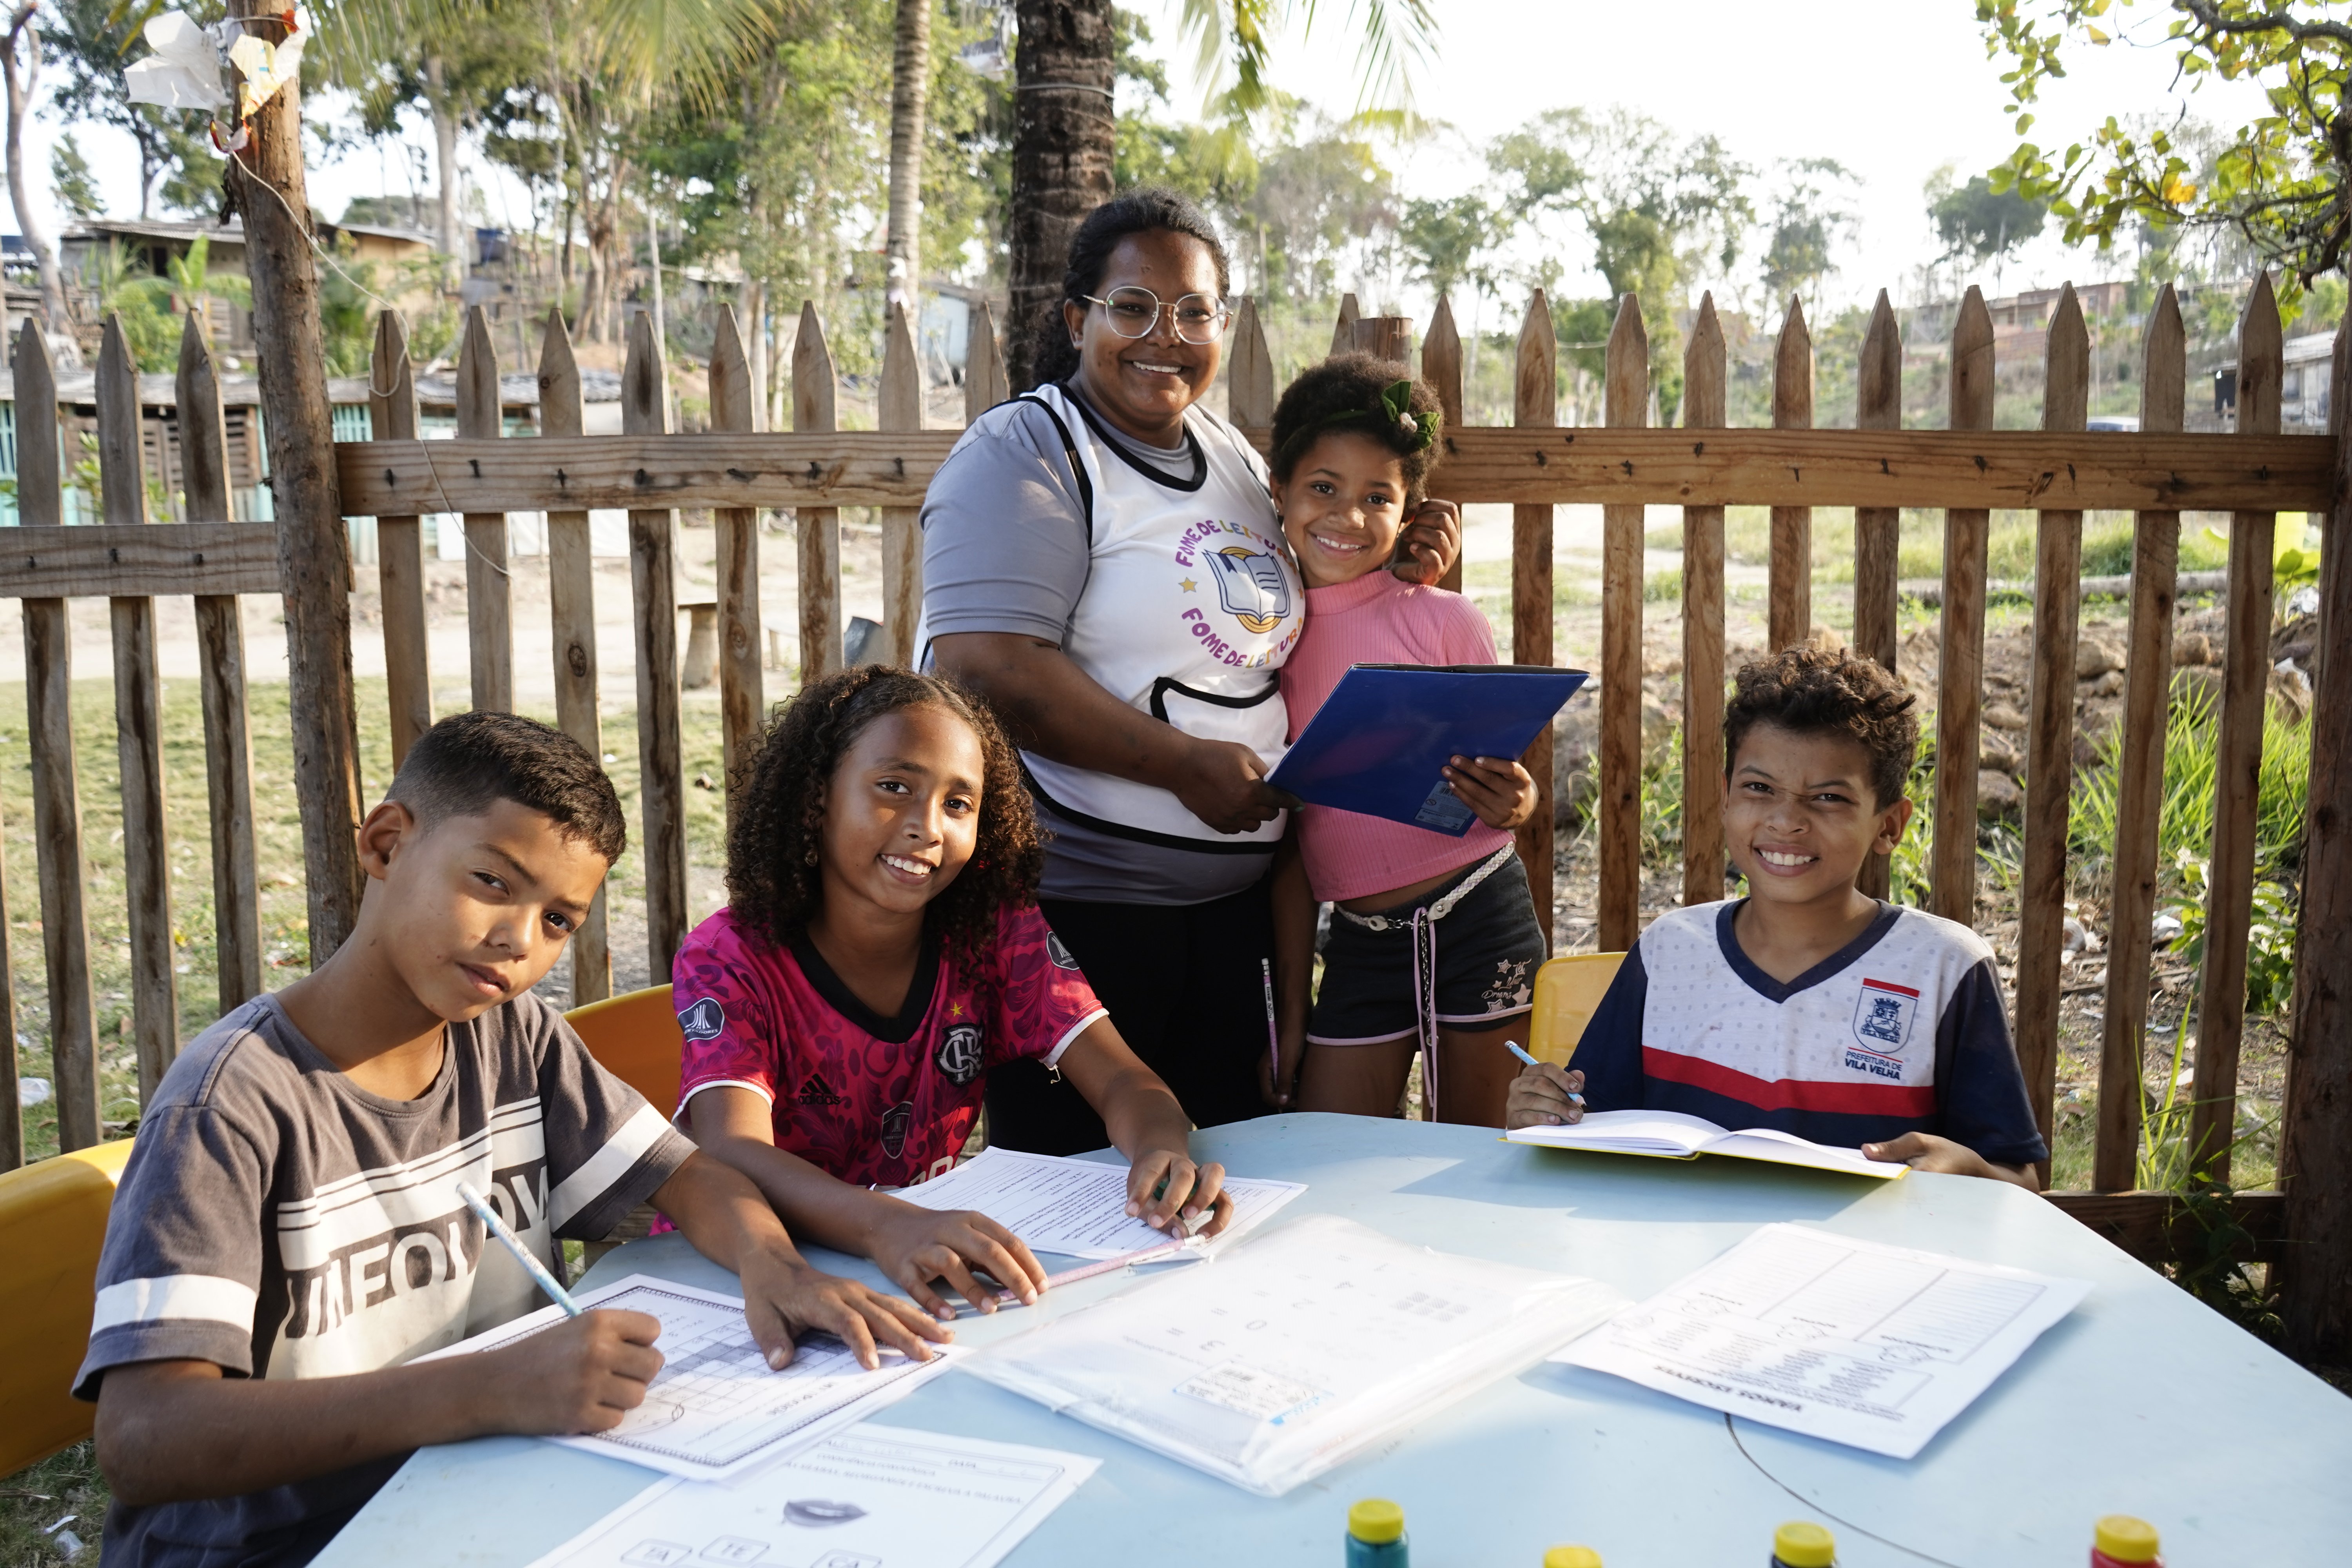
<point x="1069" y="450"/>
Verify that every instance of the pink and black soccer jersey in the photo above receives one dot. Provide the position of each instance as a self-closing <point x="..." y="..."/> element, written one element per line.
<point x="1903" y="1031"/>
<point x="874" y="1100"/>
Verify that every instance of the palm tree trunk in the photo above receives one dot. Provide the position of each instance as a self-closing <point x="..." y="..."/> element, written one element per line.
<point x="23" y="73"/>
<point x="911" y="73"/>
<point x="1062" y="143"/>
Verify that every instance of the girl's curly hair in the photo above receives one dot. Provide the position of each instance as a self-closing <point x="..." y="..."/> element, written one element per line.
<point x="1331" y="395"/>
<point x="773" y="882"/>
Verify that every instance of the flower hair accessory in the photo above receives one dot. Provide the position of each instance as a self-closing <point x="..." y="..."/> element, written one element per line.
<point x="1392" y="416"/>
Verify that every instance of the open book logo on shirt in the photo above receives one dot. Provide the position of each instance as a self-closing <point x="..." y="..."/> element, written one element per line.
<point x="1882" y="1017"/>
<point x="1251" y="587"/>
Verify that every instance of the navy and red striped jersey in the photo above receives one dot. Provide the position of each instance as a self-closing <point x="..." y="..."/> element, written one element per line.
<point x="1902" y="1031"/>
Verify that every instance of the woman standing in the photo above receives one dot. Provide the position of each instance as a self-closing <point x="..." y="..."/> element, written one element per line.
<point x="1101" y="561"/>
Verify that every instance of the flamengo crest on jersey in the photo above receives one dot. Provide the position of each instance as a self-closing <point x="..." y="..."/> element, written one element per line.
<point x="1860" y="1042"/>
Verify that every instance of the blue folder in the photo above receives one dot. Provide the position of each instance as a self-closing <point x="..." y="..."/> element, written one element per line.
<point x="1380" y="742"/>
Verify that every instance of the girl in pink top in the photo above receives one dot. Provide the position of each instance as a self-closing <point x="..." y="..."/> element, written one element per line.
<point x="1433" y="941"/>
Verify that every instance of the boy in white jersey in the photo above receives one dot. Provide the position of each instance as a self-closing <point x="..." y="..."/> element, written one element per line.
<point x="1808" y="1006"/>
<point x="287" y="1237"/>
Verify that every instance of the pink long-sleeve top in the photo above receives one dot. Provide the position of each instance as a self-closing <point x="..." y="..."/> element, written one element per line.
<point x="1377" y="619"/>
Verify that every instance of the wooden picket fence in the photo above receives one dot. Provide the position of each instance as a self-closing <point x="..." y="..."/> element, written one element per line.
<point x="1966" y="470"/>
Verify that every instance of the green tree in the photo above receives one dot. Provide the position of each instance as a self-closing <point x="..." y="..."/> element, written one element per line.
<point x="1811" y="219"/>
<point x="2278" y="180"/>
<point x="1451" y="241"/>
<point x="71" y="179"/>
<point x="1978" y="223"/>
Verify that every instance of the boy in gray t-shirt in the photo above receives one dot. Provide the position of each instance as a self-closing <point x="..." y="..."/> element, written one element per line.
<point x="288" y="1236"/>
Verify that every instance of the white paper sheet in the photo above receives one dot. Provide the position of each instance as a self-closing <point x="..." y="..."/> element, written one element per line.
<point x="716" y="1408"/>
<point x="1303" y="1346"/>
<point x="872" y="1496"/>
<point x="1074" y="1207"/>
<point x="1861" y="1343"/>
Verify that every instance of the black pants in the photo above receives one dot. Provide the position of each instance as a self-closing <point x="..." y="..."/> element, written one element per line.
<point x="1184" y="987"/>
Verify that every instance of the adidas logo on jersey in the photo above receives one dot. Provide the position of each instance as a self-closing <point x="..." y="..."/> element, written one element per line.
<point x="815" y="1091"/>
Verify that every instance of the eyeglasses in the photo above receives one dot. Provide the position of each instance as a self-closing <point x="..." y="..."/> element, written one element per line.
<point x="1133" y="312"/>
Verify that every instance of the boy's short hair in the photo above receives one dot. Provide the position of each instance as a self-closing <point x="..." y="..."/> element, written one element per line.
<point x="1815" y="691"/>
<point x="470" y="762"/>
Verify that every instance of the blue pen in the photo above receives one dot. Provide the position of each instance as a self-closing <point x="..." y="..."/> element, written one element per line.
<point x="497" y="1227"/>
<point x="1513" y="1046"/>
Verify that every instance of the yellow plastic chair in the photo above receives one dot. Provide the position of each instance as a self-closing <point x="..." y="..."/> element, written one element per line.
<point x="635" y="1038"/>
<point x="1568" y="992"/>
<point x="52" y="1224"/>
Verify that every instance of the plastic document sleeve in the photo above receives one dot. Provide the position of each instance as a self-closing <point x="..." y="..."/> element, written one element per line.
<point x="1295" y="1351"/>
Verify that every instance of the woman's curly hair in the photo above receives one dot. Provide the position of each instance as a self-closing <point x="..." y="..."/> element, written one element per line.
<point x="1329" y="395"/>
<point x="1815" y="691"/>
<point x="772" y="881"/>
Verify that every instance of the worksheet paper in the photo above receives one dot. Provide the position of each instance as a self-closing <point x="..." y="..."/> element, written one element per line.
<point x="716" y="1408"/>
<point x="1865" y="1344"/>
<point x="871" y="1497"/>
<point x="1074" y="1207"/>
<point x="1304" y="1346"/>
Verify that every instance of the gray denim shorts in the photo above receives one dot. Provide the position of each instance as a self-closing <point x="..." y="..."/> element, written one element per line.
<point x="1488" y="949"/>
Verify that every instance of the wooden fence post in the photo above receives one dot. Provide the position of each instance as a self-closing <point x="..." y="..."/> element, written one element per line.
<point x="2050" y="729"/>
<point x="1440" y="366"/>
<point x="1877" y="530"/>
<point x="12" y="1095"/>
<point x="1534" y="391"/>
<point x="1704" y="408"/>
<point x="2140" y="769"/>
<point x="267" y="186"/>
<point x="1791" y="611"/>
<point x="400" y="546"/>
<point x="57" y="795"/>
<point x="983" y="365"/>
<point x="1343" y="326"/>
<point x="740" y="703"/>
<point x="813" y="388"/>
<point x="653" y="577"/>
<point x="489" y="585"/>
<point x="1249" y="371"/>
<point x="138" y="727"/>
<point x="901" y="408"/>
<point x="1385" y="337"/>
<point x="2316" y="1131"/>
<point x="1959" y="699"/>
<point x="571" y="621"/>
<point x="2237" y="777"/>
<point x="1620" y="804"/>
<point x="229" y="731"/>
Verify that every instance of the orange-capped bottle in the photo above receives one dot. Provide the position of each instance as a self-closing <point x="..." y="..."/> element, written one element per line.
<point x="2119" y="1541"/>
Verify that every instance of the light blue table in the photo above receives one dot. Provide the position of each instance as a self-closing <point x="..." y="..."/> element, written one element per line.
<point x="2142" y="1402"/>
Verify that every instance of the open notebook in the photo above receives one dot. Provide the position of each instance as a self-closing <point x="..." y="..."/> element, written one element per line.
<point x="1671" y="1135"/>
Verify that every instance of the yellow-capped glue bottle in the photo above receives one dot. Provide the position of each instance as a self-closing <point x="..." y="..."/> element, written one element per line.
<point x="1802" y="1544"/>
<point x="1572" y="1557"/>
<point x="1376" y="1535"/>
<point x="2119" y="1541"/>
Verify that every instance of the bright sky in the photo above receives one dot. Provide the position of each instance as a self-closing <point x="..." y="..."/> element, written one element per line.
<point x="1892" y="89"/>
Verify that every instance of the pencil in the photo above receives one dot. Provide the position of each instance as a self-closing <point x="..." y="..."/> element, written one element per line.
<point x="1273" y="1034"/>
<point x="1513" y="1046"/>
<point x="531" y="1266"/>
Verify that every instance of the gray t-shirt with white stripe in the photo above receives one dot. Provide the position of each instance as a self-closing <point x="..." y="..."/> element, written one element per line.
<point x="278" y="1220"/>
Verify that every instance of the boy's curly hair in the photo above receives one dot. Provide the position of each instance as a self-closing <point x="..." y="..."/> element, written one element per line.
<point x="1815" y="691"/>
<point x="1331" y="395"/>
<point x="780" y="802"/>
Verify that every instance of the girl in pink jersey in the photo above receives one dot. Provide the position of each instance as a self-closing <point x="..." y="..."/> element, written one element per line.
<point x="1434" y="943"/>
<point x="880" y="951"/>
